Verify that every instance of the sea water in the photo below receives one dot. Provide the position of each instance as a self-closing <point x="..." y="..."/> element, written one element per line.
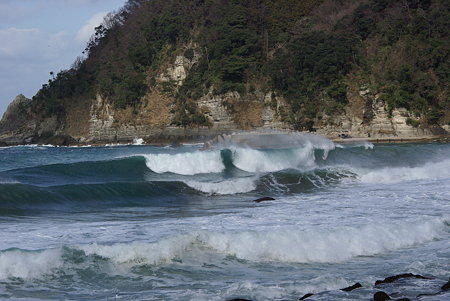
<point x="178" y="223"/>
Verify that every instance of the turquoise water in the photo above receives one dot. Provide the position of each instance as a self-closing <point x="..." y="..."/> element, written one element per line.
<point x="178" y="223"/>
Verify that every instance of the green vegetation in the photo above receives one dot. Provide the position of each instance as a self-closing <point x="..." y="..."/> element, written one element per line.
<point x="304" y="50"/>
<point x="413" y="122"/>
<point x="413" y="63"/>
<point x="187" y="114"/>
<point x="310" y="69"/>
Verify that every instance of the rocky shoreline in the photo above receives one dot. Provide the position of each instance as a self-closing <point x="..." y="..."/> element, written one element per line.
<point x="438" y="138"/>
<point x="64" y="140"/>
<point x="390" y="288"/>
<point x="100" y="123"/>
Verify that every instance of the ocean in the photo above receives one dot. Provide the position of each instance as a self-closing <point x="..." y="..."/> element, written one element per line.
<point x="135" y="222"/>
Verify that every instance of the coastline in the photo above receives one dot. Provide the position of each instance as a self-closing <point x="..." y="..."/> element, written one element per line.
<point x="179" y="142"/>
<point x="384" y="140"/>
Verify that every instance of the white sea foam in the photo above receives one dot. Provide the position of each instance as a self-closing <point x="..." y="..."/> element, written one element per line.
<point x="186" y="163"/>
<point x="272" y="139"/>
<point x="365" y="144"/>
<point x="434" y="170"/>
<point x="286" y="151"/>
<point x="285" y="244"/>
<point x="143" y="253"/>
<point x="8" y="181"/>
<point x="253" y="160"/>
<point x="117" y="144"/>
<point x="28" y="264"/>
<point x="315" y="245"/>
<point x="32" y="146"/>
<point x="138" y="141"/>
<point x="233" y="186"/>
<point x="193" y="144"/>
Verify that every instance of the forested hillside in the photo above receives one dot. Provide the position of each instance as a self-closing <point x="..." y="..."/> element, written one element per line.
<point x="311" y="52"/>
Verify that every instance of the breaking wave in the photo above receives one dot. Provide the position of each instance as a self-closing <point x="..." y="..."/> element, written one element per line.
<point x="15" y="263"/>
<point x="277" y="244"/>
<point x="432" y="170"/>
<point x="245" y="159"/>
<point x="141" y="179"/>
<point x="282" y="244"/>
<point x="252" y="160"/>
<point x="192" y="163"/>
<point x="234" y="186"/>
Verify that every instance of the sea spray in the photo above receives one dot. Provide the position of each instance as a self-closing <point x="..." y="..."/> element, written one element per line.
<point x="323" y="245"/>
<point x="137" y="253"/>
<point x="186" y="163"/>
<point x="387" y="175"/>
<point x="256" y="161"/>
<point x="279" y="244"/>
<point x="234" y="186"/>
<point x="23" y="264"/>
<point x="138" y="141"/>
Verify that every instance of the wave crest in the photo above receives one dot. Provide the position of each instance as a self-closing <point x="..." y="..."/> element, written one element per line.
<point x="253" y="160"/>
<point x="276" y="244"/>
<point x="224" y="187"/>
<point x="434" y="170"/>
<point x="280" y="244"/>
<point x="28" y="264"/>
<point x="197" y="162"/>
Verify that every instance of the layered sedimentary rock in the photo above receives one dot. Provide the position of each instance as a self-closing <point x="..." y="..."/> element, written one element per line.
<point x="365" y="116"/>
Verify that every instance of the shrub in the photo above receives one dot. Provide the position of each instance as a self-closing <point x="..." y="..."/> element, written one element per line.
<point x="413" y="122"/>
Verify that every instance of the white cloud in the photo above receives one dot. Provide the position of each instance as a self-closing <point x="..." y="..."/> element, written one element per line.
<point x="88" y="28"/>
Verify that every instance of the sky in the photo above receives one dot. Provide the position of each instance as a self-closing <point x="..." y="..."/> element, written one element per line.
<point x="39" y="36"/>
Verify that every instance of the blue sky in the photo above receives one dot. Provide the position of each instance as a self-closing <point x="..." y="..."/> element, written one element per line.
<point x="39" y="36"/>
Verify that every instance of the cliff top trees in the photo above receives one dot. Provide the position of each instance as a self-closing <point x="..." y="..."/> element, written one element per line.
<point x="303" y="49"/>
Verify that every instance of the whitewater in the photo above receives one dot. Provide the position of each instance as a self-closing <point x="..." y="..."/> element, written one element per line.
<point x="136" y="222"/>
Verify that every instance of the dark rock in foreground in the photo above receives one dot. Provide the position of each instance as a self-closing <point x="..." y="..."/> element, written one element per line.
<point x="411" y="287"/>
<point x="397" y="277"/>
<point x="446" y="286"/>
<point x="264" y="199"/>
<point x="381" y="296"/>
<point x="350" y="288"/>
<point x="306" y="296"/>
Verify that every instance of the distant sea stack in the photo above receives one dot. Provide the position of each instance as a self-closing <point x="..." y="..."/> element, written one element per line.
<point x="18" y="124"/>
<point x="181" y="70"/>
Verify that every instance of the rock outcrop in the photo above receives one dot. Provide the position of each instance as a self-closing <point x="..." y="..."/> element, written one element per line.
<point x="366" y="116"/>
<point x="398" y="277"/>
<point x="371" y="120"/>
<point x="17" y="126"/>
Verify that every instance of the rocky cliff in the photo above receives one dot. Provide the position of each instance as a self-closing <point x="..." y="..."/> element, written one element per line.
<point x="227" y="113"/>
<point x="168" y="71"/>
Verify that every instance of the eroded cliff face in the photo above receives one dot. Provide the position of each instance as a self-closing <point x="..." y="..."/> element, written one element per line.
<point x="153" y="119"/>
<point x="365" y="116"/>
<point x="232" y="112"/>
